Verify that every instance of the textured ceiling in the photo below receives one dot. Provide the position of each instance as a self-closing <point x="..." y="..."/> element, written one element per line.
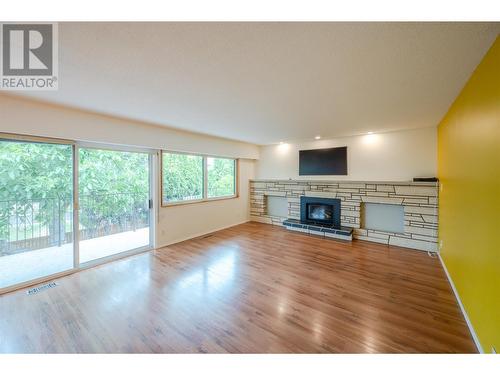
<point x="269" y="82"/>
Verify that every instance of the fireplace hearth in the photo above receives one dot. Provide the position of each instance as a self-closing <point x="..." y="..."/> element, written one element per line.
<point x="320" y="216"/>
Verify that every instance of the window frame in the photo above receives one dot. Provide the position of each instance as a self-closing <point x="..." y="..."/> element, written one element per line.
<point x="205" y="197"/>
<point x="76" y="145"/>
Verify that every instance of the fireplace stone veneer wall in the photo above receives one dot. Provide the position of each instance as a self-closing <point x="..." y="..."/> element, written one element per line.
<point x="419" y="199"/>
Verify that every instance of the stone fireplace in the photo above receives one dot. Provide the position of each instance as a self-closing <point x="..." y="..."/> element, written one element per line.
<point x="418" y="202"/>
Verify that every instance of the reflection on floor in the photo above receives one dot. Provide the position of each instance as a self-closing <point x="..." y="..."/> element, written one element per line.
<point x="18" y="268"/>
<point x="253" y="288"/>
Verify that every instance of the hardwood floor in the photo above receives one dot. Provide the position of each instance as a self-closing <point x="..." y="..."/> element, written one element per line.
<point x="253" y="288"/>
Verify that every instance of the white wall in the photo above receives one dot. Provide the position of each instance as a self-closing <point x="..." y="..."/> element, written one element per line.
<point x="191" y="220"/>
<point x="394" y="156"/>
<point x="174" y="224"/>
<point x="21" y="116"/>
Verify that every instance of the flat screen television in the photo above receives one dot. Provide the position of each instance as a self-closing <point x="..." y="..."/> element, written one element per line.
<point x="323" y="161"/>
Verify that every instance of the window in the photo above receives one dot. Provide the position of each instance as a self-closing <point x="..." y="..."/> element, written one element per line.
<point x="63" y="205"/>
<point x="188" y="178"/>
<point x="221" y="177"/>
<point x="182" y="177"/>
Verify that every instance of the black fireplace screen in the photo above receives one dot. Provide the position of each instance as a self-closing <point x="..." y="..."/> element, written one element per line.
<point x="320" y="210"/>
<point x="323" y="212"/>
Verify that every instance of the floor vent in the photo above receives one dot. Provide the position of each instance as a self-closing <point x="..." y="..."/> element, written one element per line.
<point x="41" y="288"/>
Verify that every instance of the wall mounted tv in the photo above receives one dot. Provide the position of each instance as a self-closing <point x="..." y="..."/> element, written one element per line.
<point x="324" y="161"/>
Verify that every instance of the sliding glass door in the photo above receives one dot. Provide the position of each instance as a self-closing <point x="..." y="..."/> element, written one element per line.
<point x="114" y="202"/>
<point x="41" y="183"/>
<point x="36" y="210"/>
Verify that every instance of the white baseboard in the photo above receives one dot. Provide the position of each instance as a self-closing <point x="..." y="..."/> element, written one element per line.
<point x="464" y="313"/>
<point x="200" y="234"/>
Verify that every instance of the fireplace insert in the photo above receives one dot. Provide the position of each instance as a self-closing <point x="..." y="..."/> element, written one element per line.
<point x="323" y="212"/>
<point x="320" y="211"/>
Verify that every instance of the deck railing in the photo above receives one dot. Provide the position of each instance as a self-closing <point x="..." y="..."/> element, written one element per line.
<point x="29" y="224"/>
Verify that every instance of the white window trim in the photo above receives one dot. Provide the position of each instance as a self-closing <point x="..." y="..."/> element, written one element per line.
<point x="205" y="180"/>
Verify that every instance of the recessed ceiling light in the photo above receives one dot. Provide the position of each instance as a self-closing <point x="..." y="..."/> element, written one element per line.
<point x="370" y="132"/>
<point x="317" y="137"/>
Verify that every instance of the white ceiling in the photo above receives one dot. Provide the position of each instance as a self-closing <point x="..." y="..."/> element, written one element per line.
<point x="269" y="82"/>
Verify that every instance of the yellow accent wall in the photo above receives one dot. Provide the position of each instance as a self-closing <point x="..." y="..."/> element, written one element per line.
<point x="469" y="200"/>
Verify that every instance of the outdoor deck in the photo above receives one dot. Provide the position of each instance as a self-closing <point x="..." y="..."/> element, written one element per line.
<point x="29" y="265"/>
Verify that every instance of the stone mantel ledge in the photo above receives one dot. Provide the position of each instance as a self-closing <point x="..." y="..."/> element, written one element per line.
<point x="327" y="182"/>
